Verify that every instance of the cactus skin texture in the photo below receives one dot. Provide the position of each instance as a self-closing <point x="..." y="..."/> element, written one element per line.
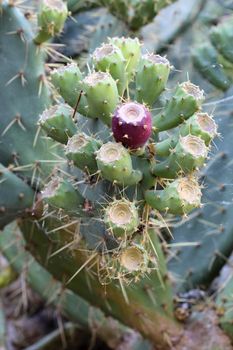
<point x="205" y="59"/>
<point x="16" y="197"/>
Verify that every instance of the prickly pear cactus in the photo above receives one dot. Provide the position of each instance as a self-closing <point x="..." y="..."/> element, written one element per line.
<point x="130" y="159"/>
<point x="100" y="219"/>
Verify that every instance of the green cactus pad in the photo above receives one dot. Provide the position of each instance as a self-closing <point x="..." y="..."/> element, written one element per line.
<point x="51" y="19"/>
<point x="102" y="95"/>
<point x="23" y="82"/>
<point x="115" y="164"/>
<point x="81" y="149"/>
<point x="151" y="78"/>
<point x="186" y="100"/>
<point x="109" y="58"/>
<point x="179" y="197"/>
<point x="189" y="154"/>
<point x="205" y="59"/>
<point x="222" y="37"/>
<point x="61" y="194"/>
<point x="58" y="123"/>
<point x="16" y="197"/>
<point x="121" y="217"/>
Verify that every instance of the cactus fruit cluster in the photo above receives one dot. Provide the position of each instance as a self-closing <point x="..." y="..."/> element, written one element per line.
<point x="131" y="129"/>
<point x="97" y="173"/>
<point x="214" y="60"/>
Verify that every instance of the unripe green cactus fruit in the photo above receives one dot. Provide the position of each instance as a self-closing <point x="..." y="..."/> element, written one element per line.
<point x="61" y="194"/>
<point x="121" y="217"/>
<point x="109" y="58"/>
<point x="81" y="149"/>
<point x="179" y="197"/>
<point x="51" y="19"/>
<point x="102" y="95"/>
<point x="131" y="50"/>
<point x="134" y="260"/>
<point x="200" y="124"/>
<point x="186" y="100"/>
<point x="189" y="154"/>
<point x="67" y="80"/>
<point x="58" y="123"/>
<point x="151" y="78"/>
<point x="115" y="164"/>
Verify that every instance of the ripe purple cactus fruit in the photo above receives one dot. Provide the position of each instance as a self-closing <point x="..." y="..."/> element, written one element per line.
<point x="132" y="125"/>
